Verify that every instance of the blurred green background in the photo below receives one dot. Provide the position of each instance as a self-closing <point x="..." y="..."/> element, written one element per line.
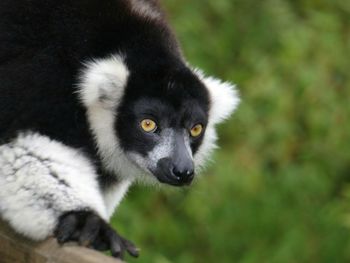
<point x="278" y="189"/>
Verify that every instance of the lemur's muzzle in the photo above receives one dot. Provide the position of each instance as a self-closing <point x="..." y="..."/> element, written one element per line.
<point x="178" y="169"/>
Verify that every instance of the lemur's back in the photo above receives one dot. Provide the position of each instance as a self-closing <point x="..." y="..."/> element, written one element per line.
<point x="40" y="61"/>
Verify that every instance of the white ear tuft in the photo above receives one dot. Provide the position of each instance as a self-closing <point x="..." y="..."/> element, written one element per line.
<point x="145" y="9"/>
<point x="224" y="97"/>
<point x="103" y="82"/>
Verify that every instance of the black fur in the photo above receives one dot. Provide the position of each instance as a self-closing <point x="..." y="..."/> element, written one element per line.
<point x="42" y="46"/>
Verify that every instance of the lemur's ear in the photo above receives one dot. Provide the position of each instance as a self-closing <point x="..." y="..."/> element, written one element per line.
<point x="223" y="97"/>
<point x="103" y="82"/>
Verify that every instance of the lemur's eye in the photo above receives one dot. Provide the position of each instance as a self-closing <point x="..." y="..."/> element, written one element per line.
<point x="148" y="125"/>
<point x="197" y="130"/>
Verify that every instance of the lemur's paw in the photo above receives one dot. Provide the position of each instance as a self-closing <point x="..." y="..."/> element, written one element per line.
<point x="90" y="230"/>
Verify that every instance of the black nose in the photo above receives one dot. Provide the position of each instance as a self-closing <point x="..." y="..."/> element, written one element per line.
<point x="185" y="175"/>
<point x="178" y="175"/>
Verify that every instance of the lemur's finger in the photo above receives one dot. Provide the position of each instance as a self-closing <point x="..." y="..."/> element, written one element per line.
<point x="115" y="243"/>
<point x="90" y="230"/>
<point x="116" y="248"/>
<point x="66" y="228"/>
<point x="131" y="248"/>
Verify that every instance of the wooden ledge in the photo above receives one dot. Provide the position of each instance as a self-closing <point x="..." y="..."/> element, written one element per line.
<point x="16" y="249"/>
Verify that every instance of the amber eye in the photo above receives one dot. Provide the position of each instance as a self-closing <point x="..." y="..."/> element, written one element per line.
<point x="197" y="130"/>
<point x="148" y="125"/>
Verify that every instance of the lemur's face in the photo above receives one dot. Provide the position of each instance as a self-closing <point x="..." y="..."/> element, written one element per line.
<point x="162" y="131"/>
<point x="162" y="139"/>
<point x="161" y="124"/>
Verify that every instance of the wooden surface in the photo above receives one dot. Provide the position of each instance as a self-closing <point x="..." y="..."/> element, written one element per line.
<point x="16" y="249"/>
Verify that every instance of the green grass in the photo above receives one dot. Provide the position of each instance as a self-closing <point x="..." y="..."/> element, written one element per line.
<point x="278" y="188"/>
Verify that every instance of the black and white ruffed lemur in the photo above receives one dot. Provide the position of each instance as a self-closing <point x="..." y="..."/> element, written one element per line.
<point x="94" y="96"/>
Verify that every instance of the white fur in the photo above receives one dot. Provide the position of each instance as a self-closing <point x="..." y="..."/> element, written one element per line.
<point x="207" y="147"/>
<point x="223" y="97"/>
<point x="164" y="148"/>
<point x="144" y="8"/>
<point x="114" y="195"/>
<point x="40" y="180"/>
<point x="101" y="90"/>
<point x="103" y="82"/>
<point x="224" y="100"/>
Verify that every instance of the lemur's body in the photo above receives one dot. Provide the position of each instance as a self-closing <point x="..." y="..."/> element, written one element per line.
<point x="70" y="136"/>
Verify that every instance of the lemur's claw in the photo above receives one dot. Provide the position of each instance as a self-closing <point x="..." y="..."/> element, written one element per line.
<point x="90" y="230"/>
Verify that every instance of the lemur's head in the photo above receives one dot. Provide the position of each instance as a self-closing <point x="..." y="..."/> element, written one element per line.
<point x="156" y="124"/>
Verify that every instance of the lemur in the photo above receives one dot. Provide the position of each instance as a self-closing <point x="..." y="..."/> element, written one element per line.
<point x="96" y="95"/>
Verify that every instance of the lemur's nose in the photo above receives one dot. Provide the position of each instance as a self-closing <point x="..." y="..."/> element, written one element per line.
<point x="185" y="175"/>
<point x="177" y="174"/>
<point x="182" y="167"/>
